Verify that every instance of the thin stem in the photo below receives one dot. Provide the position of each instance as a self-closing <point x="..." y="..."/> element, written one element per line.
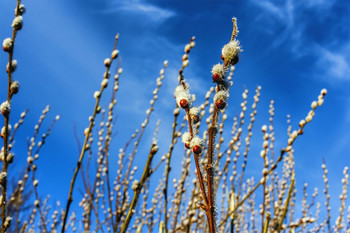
<point x="137" y="190"/>
<point x="42" y="218"/>
<point x="170" y="152"/>
<point x="285" y="210"/>
<point x="272" y="168"/>
<point x="6" y="135"/>
<point x="200" y="179"/>
<point x="82" y="153"/>
<point x="266" y="224"/>
<point x="132" y="156"/>
<point x="167" y="171"/>
<point x="210" y="174"/>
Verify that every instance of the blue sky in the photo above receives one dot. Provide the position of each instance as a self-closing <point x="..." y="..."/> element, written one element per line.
<point x="292" y="49"/>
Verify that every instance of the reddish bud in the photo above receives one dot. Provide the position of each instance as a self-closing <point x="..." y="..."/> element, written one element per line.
<point x="222" y="57"/>
<point x="187" y="146"/>
<point x="197" y="149"/>
<point x="216" y="78"/>
<point x="184" y="103"/>
<point x="220" y="104"/>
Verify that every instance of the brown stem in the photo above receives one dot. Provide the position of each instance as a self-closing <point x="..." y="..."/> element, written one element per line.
<point x="200" y="179"/>
<point x="42" y="218"/>
<point x="131" y="159"/>
<point x="234" y="31"/>
<point x="82" y="153"/>
<point x="285" y="210"/>
<point x="137" y="191"/>
<point x="6" y="135"/>
<point x="272" y="168"/>
<point x="173" y="138"/>
<point x="167" y="171"/>
<point x="210" y="173"/>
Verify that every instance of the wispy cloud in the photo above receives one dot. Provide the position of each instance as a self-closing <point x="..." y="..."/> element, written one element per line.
<point x="335" y="64"/>
<point x="282" y="18"/>
<point x="271" y="8"/>
<point x="149" y="11"/>
<point x="290" y="22"/>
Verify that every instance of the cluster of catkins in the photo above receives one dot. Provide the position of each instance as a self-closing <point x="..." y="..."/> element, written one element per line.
<point x="229" y="56"/>
<point x="7" y="46"/>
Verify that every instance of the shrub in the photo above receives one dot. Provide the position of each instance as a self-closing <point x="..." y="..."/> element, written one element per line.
<point x="211" y="192"/>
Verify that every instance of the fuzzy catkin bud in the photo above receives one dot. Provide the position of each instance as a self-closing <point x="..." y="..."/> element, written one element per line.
<point x="14" y="87"/>
<point x="115" y="54"/>
<point x="107" y="62"/>
<point x="106" y="75"/>
<point x="13" y="66"/>
<point x="221" y="95"/>
<point x="5" y="108"/>
<point x="154" y="149"/>
<point x="231" y="50"/>
<point x="197" y="144"/>
<point x="185" y="63"/>
<point x="3" y="177"/>
<point x="97" y="94"/>
<point x="218" y="72"/>
<point x="35" y="183"/>
<point x="186" y="138"/>
<point x="7" y="222"/>
<point x="194" y="114"/>
<point x="220" y="99"/>
<point x="17" y="23"/>
<point x="21" y="9"/>
<point x="104" y="83"/>
<point x="7" y="44"/>
<point x="10" y="157"/>
<point x="135" y="185"/>
<point x="183" y="97"/>
<point x="176" y="111"/>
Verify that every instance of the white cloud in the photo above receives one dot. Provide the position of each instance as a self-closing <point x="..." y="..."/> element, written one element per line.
<point x="281" y="15"/>
<point x="333" y="63"/>
<point x="270" y="8"/>
<point x="150" y="12"/>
